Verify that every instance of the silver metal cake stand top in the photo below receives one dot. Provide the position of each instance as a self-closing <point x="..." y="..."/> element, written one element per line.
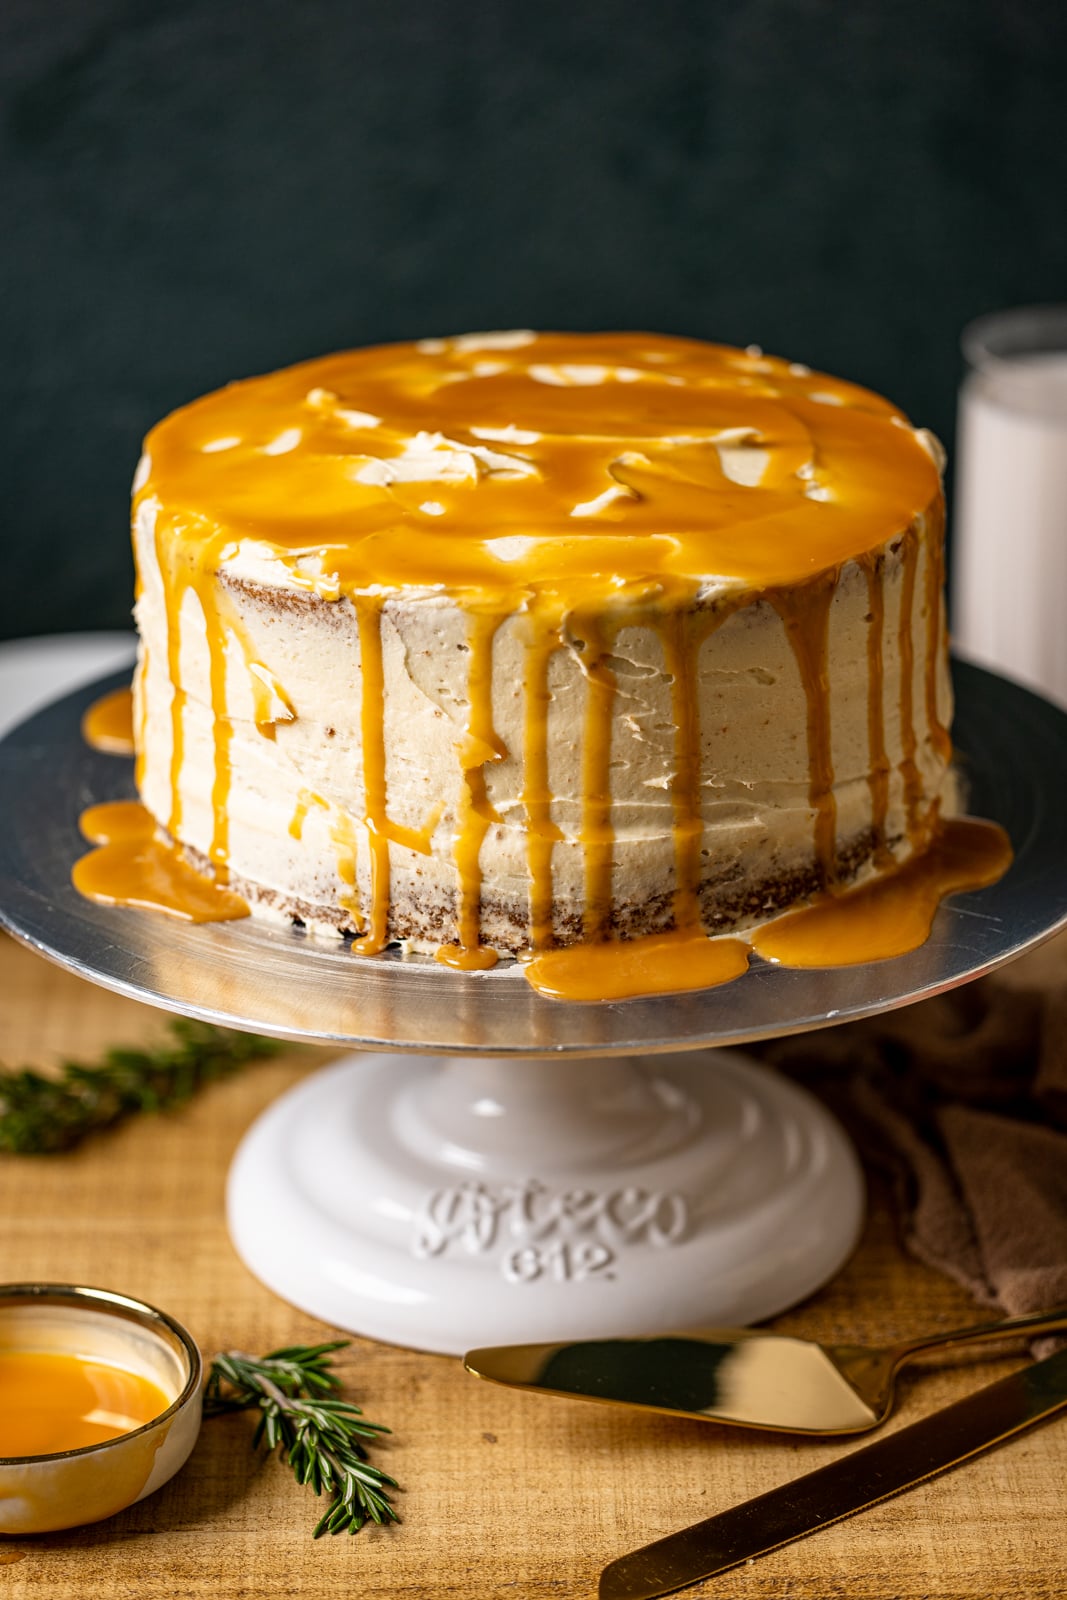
<point x="247" y="974"/>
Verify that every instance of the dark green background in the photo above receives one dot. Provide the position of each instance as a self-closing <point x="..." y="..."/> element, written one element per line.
<point x="199" y="191"/>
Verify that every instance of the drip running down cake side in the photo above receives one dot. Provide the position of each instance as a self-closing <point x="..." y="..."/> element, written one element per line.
<point x="504" y="643"/>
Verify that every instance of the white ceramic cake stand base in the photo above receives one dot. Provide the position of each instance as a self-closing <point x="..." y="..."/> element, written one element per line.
<point x="443" y="1203"/>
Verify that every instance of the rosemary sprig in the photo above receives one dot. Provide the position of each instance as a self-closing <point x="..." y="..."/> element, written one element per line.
<point x="318" y="1434"/>
<point x="43" y="1113"/>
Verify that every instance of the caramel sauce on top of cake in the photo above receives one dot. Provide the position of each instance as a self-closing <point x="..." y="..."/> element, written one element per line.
<point x="585" y="484"/>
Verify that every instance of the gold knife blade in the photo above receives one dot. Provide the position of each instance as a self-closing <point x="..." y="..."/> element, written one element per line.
<point x="855" y="1481"/>
<point x="743" y="1376"/>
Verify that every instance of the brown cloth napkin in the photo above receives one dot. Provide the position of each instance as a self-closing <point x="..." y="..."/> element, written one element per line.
<point x="963" y="1100"/>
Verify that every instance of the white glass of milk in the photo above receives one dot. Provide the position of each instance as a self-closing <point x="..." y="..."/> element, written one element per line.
<point x="1009" y="548"/>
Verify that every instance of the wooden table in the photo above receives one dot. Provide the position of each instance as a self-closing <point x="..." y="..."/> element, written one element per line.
<point x="506" y="1496"/>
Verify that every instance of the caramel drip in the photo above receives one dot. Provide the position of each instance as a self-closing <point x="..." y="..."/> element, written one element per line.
<point x="598" y="835"/>
<point x="683" y="636"/>
<point x="304" y="802"/>
<point x="478" y="747"/>
<point x="878" y="758"/>
<point x="167" y="553"/>
<point x="108" y="723"/>
<point x="222" y="738"/>
<point x="661" y="963"/>
<point x="116" y="822"/>
<point x="343" y="835"/>
<point x="935" y="605"/>
<point x="299" y="816"/>
<point x="541" y="832"/>
<point x="681" y="654"/>
<point x="134" y="866"/>
<point x="893" y="914"/>
<point x="909" y="771"/>
<point x="417" y="839"/>
<point x="140" y="700"/>
<point x="372" y="729"/>
<point x="183" y="567"/>
<point x="271" y="704"/>
<point x="806" y="615"/>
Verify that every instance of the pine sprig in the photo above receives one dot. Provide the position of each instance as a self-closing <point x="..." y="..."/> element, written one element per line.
<point x="42" y="1113"/>
<point x="319" y="1435"/>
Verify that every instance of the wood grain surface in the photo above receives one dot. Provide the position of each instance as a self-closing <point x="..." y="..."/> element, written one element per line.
<point x="505" y="1496"/>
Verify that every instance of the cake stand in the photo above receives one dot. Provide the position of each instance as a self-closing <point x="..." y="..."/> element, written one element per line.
<point x="496" y="1167"/>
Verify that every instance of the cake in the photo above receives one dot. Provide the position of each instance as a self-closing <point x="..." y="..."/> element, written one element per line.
<point x="499" y="643"/>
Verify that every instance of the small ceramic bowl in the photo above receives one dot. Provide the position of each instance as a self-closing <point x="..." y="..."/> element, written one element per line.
<point x="39" y="1494"/>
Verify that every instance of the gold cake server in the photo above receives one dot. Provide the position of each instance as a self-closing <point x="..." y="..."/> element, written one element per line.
<point x="737" y="1375"/>
<point x="853" y="1482"/>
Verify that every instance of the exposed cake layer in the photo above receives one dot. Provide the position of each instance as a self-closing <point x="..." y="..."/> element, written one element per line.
<point x="447" y="686"/>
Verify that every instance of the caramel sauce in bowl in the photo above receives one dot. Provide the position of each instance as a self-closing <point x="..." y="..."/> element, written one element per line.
<point x="102" y="1407"/>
